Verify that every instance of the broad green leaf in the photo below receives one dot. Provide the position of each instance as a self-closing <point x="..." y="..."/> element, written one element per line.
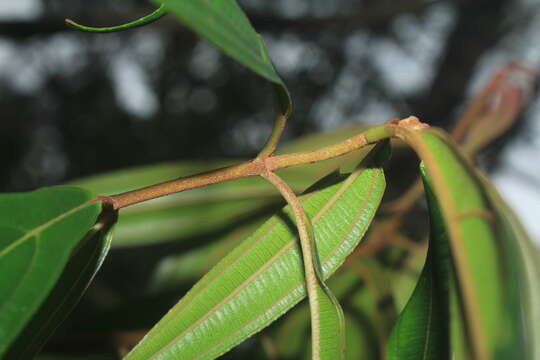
<point x="38" y="231"/>
<point x="85" y="261"/>
<point x="264" y="276"/>
<point x="493" y="287"/>
<point x="223" y="23"/>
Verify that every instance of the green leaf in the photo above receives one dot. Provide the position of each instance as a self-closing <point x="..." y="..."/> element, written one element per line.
<point x="174" y="271"/>
<point x="264" y="276"/>
<point x="223" y="23"/>
<point x="80" y="270"/>
<point x="524" y="271"/>
<point x="38" y="231"/>
<point x="494" y="287"/>
<point x="422" y="331"/>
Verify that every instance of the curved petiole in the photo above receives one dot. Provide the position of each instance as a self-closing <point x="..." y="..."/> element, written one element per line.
<point x="327" y="321"/>
<point x="147" y="19"/>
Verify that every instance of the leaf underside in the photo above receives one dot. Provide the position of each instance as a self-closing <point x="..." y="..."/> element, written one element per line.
<point x="490" y="290"/>
<point x="263" y="277"/>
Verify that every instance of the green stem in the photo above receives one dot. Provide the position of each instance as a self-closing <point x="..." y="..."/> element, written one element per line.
<point x="271" y="143"/>
<point x="155" y="15"/>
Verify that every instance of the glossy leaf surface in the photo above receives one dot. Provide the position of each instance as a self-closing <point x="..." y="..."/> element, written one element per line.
<point x="80" y="270"/>
<point x="38" y="231"/>
<point x="493" y="288"/>
<point x="263" y="277"/>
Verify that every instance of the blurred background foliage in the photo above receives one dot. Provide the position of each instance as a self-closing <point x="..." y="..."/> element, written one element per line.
<point x="76" y="104"/>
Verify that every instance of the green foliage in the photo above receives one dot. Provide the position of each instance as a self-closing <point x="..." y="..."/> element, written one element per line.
<point x="476" y="296"/>
<point x="483" y="270"/>
<point x="422" y="331"/>
<point x="82" y="266"/>
<point x="227" y="304"/>
<point x="38" y="232"/>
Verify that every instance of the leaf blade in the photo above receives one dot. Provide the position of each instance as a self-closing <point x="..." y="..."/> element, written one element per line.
<point x="485" y="286"/>
<point x="422" y="331"/>
<point x="33" y="227"/>
<point x="79" y="271"/>
<point x="264" y="261"/>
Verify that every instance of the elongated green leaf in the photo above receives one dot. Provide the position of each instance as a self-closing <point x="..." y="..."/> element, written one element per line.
<point x="493" y="286"/>
<point x="263" y="277"/>
<point x="422" y="331"/>
<point x="223" y="23"/>
<point x="38" y="231"/>
<point x="177" y="270"/>
<point x="525" y="293"/>
<point x="83" y="264"/>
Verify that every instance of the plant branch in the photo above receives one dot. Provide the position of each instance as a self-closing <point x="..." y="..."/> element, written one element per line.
<point x="259" y="166"/>
<point x="185" y="183"/>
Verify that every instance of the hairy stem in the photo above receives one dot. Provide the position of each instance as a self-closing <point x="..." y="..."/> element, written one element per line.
<point x="250" y="168"/>
<point x="258" y="166"/>
<point x="317" y="290"/>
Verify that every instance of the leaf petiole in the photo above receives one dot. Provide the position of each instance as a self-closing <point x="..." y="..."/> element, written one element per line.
<point x="147" y="19"/>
